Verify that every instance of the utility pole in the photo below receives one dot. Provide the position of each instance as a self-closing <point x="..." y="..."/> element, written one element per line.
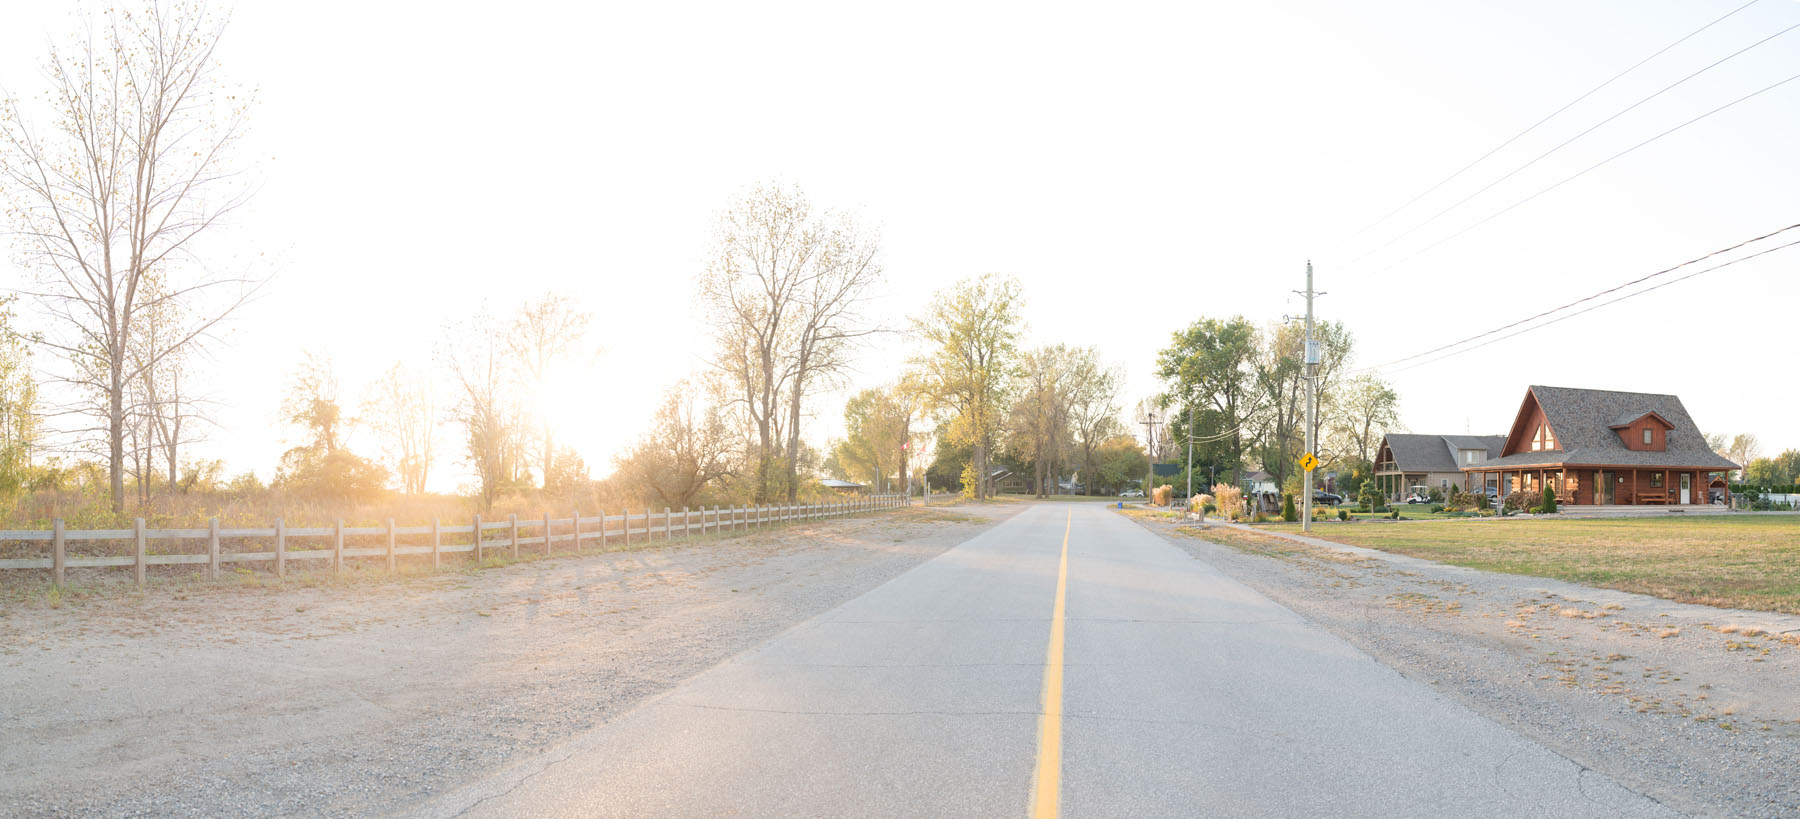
<point x="1149" y="423"/>
<point x="1190" y="458"/>
<point x="1312" y="403"/>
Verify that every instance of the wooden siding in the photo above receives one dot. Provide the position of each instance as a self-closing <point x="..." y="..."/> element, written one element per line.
<point x="1525" y="427"/>
<point x="1632" y="434"/>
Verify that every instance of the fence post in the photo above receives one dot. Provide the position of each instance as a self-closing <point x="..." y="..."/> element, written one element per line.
<point x="391" y="565"/>
<point x="212" y="548"/>
<point x="513" y="518"/>
<point x="436" y="541"/>
<point x="280" y="548"/>
<point x="575" y="522"/>
<point x="626" y="517"/>
<point x="337" y="546"/>
<point x="687" y="523"/>
<point x="668" y="525"/>
<point x="137" y="528"/>
<point x="477" y="540"/>
<point x="547" y="549"/>
<point x="57" y="557"/>
<point x="602" y="514"/>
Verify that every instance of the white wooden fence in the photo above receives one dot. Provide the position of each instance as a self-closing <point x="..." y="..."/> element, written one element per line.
<point x="102" y="547"/>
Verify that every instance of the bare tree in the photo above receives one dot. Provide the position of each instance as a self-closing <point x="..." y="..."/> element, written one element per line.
<point x="783" y="291"/>
<point x="1040" y="413"/>
<point x="827" y="321"/>
<point x="1362" y="412"/>
<point x="131" y="172"/>
<point x="1093" y="401"/>
<point x="476" y="356"/>
<point x="402" y="411"/>
<point x="545" y="335"/>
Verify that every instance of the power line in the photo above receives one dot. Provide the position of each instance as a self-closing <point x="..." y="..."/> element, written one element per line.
<point x="1565" y="143"/>
<point x="1534" y="126"/>
<point x="1583" y="172"/>
<point x="1585" y="299"/>
<point x="1584" y="310"/>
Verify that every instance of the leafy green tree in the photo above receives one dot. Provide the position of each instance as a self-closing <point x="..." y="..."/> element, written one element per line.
<point x="1766" y="472"/>
<point x="971" y="332"/>
<point x="1210" y="364"/>
<point x="1120" y="460"/>
<point x="1288" y="512"/>
<point x="1549" y="504"/>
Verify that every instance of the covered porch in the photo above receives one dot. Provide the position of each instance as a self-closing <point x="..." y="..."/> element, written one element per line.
<point x="1602" y="485"/>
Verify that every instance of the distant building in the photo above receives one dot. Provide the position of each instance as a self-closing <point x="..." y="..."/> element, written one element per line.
<point x="1431" y="461"/>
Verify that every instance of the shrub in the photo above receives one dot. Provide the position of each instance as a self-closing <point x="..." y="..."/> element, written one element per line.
<point x="1394" y="515"/>
<point x="1343" y="514"/>
<point x="1260" y="517"/>
<point x="1521" y="501"/>
<point x="1288" y="513"/>
<point x="1549" y="504"/>
<point x="1436" y="496"/>
<point x="1435" y="508"/>
<point x="1229" y="499"/>
<point x="1483" y="502"/>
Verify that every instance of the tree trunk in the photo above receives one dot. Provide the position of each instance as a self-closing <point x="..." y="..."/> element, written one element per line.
<point x="547" y="454"/>
<point x="793" y="447"/>
<point x="115" y="439"/>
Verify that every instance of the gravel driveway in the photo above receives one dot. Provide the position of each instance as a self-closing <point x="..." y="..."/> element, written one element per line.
<point x="1694" y="706"/>
<point x="356" y="699"/>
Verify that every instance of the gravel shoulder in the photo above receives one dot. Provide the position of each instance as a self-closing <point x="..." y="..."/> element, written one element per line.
<point x="1694" y="706"/>
<point x="343" y="699"/>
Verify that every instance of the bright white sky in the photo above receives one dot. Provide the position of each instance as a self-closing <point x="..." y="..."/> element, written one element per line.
<point x="1137" y="165"/>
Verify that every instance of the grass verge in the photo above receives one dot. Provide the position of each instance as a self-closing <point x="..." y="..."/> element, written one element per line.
<point x="1738" y="562"/>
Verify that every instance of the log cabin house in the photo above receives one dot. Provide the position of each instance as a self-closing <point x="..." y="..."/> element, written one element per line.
<point x="1600" y="447"/>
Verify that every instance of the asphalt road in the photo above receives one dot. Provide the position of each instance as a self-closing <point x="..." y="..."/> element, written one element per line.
<point x="1182" y="693"/>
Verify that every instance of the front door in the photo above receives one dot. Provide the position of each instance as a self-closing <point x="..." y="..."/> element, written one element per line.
<point x="1687" y="487"/>
<point x="1603" y="488"/>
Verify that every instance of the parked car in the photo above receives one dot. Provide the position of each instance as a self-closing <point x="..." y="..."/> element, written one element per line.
<point x="1327" y="498"/>
<point x="1132" y="493"/>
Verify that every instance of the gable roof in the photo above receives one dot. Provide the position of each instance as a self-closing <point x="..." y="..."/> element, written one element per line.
<point x="1584" y="422"/>
<point x="1437" y="453"/>
<point x="1632" y="417"/>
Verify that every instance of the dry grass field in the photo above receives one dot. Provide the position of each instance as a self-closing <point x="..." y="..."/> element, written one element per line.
<point x="1750" y="562"/>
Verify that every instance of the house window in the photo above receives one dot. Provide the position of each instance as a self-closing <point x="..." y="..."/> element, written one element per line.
<point x="1648" y="435"/>
<point x="1655" y="478"/>
<point x="1544" y="439"/>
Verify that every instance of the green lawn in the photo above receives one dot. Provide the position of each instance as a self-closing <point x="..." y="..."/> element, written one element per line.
<point x="1741" y="562"/>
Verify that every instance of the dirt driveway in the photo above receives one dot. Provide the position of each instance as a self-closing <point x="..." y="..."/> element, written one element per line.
<point x="367" y="697"/>
<point x="1691" y="705"/>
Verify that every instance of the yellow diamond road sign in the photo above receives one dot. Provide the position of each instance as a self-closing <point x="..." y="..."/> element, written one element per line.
<point x="1309" y="461"/>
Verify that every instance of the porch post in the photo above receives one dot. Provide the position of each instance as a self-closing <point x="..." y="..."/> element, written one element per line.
<point x="1634" y="487"/>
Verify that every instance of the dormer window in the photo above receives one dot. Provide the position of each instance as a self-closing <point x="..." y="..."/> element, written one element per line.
<point x="1649" y="436"/>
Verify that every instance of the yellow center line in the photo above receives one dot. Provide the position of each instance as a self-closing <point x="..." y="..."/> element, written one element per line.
<point x="1047" y="791"/>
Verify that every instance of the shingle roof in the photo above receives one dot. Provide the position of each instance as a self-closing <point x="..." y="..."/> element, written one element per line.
<point x="1583" y="421"/>
<point x="1437" y="453"/>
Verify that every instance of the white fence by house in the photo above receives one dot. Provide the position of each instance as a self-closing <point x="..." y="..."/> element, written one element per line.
<point x="120" y="548"/>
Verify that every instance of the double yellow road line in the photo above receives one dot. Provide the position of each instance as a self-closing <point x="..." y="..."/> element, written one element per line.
<point x="1046" y="793"/>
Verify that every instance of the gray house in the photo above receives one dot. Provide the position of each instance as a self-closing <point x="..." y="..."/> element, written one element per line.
<point x="1431" y="461"/>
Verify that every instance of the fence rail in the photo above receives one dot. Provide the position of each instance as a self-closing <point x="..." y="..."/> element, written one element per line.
<point x="545" y="533"/>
